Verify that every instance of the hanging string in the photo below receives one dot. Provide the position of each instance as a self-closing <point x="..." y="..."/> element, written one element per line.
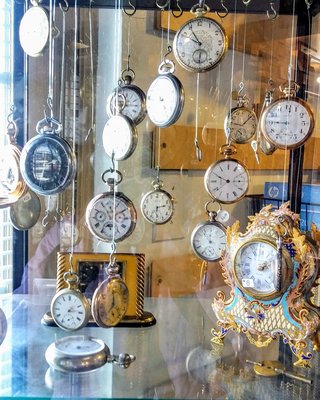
<point x="244" y="44"/>
<point x="51" y="55"/>
<point x="271" y="50"/>
<point x="63" y="67"/>
<point x="308" y="4"/>
<point x="196" y="143"/>
<point x="92" y="125"/>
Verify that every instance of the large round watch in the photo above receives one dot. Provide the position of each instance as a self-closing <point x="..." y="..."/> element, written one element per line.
<point x="227" y="180"/>
<point x="80" y="353"/>
<point x="288" y="122"/>
<point x="200" y="43"/>
<point x="47" y="162"/>
<point x="262" y="269"/>
<point x="241" y="122"/>
<point x="165" y="96"/>
<point x="208" y="239"/>
<point x="119" y="137"/>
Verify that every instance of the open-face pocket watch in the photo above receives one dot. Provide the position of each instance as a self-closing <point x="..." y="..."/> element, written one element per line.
<point x="47" y="162"/>
<point x="200" y="43"/>
<point x="81" y="353"/>
<point x="165" y="96"/>
<point x="111" y="216"/>
<point x="287" y="122"/>
<point x="208" y="239"/>
<point x="227" y="180"/>
<point x="70" y="309"/>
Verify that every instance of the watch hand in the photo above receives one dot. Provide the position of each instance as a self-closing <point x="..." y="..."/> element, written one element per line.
<point x="220" y="177"/>
<point x="197" y="40"/>
<point x="246" y="120"/>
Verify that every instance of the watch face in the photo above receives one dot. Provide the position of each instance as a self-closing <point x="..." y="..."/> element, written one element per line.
<point x="157" y="206"/>
<point x="287" y="123"/>
<point x="3" y="326"/>
<point x="47" y="164"/>
<point x="34" y="31"/>
<point x="130" y="100"/>
<point x="227" y="181"/>
<point x="111" y="217"/>
<point x="242" y="123"/>
<point x="70" y="310"/>
<point x="165" y="100"/>
<point x="208" y="240"/>
<point x="257" y="270"/>
<point x="119" y="137"/>
<point x="110" y="302"/>
<point x="200" y="44"/>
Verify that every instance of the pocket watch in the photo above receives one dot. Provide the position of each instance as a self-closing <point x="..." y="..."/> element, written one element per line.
<point x="157" y="206"/>
<point x="208" y="239"/>
<point x="47" y="162"/>
<point x="201" y="43"/>
<point x="287" y="122"/>
<point x="111" y="298"/>
<point x="119" y="137"/>
<point x="34" y="29"/>
<point x="3" y="326"/>
<point x="227" y="180"/>
<point x="111" y="216"/>
<point x="80" y="353"/>
<point x="70" y="309"/>
<point x="165" y="96"/>
<point x="128" y="98"/>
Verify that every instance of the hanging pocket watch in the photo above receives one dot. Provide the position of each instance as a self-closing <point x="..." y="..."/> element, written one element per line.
<point x="111" y="216"/>
<point x="119" y="137"/>
<point x="111" y="298"/>
<point x="201" y="43"/>
<point x="165" y="96"/>
<point x="208" y="238"/>
<point x="287" y="122"/>
<point x="157" y="206"/>
<point x="227" y="180"/>
<point x="129" y="98"/>
<point x="241" y="122"/>
<point x="70" y="309"/>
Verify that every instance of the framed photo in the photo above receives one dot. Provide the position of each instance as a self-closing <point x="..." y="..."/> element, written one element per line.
<point x="90" y="268"/>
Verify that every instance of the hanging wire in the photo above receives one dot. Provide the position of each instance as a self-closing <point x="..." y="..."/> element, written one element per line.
<point x="64" y="10"/>
<point x="196" y="143"/>
<point x="244" y="42"/>
<point x="92" y="128"/>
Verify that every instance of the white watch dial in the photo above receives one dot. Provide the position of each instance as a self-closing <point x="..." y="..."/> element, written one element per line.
<point x="200" y="44"/>
<point x="227" y="181"/>
<point x="287" y="123"/>
<point x="119" y="137"/>
<point x="157" y="206"/>
<point x="165" y="100"/>
<point x="208" y="240"/>
<point x="242" y="123"/>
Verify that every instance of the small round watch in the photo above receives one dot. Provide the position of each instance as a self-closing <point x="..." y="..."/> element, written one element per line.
<point x="227" y="180"/>
<point x="157" y="206"/>
<point x="3" y="326"/>
<point x="208" y="239"/>
<point x="287" y="122"/>
<point x="241" y="123"/>
<point x="111" y="298"/>
<point x="80" y="353"/>
<point x="200" y="43"/>
<point x="111" y="216"/>
<point x="119" y="137"/>
<point x="165" y="96"/>
<point x="129" y="98"/>
<point x="47" y="162"/>
<point x="70" y="309"/>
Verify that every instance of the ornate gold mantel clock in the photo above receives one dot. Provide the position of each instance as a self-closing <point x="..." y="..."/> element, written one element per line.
<point x="272" y="271"/>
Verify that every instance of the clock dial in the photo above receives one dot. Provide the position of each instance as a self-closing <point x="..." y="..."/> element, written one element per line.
<point x="200" y="44"/>
<point x="157" y="206"/>
<point x="79" y="345"/>
<point x="227" y="180"/>
<point x="111" y="217"/>
<point x="242" y="123"/>
<point x="47" y="164"/>
<point x="165" y="100"/>
<point x="208" y="240"/>
<point x="287" y="123"/>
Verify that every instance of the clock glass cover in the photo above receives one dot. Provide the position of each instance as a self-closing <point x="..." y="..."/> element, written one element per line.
<point x="242" y="123"/>
<point x="208" y="240"/>
<point x="157" y="206"/>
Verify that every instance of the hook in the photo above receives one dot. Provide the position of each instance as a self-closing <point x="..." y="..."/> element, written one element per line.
<point x="180" y="12"/>
<point x="169" y="51"/>
<point x="308" y="3"/>
<point x="246" y="2"/>
<point x="133" y="9"/>
<point x="241" y="87"/>
<point x="198" y="150"/>
<point x="64" y="8"/>
<point x="45" y="220"/>
<point x="162" y="7"/>
<point x="59" y="215"/>
<point x="222" y="14"/>
<point x="274" y="12"/>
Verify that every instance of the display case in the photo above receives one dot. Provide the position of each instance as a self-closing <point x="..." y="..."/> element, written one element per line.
<point x="159" y="199"/>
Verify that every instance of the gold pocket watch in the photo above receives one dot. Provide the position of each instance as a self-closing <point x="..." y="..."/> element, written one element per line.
<point x="288" y="122"/>
<point x="208" y="239"/>
<point x="201" y="43"/>
<point x="70" y="309"/>
<point x="227" y="180"/>
<point x="111" y="216"/>
<point x="111" y="298"/>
